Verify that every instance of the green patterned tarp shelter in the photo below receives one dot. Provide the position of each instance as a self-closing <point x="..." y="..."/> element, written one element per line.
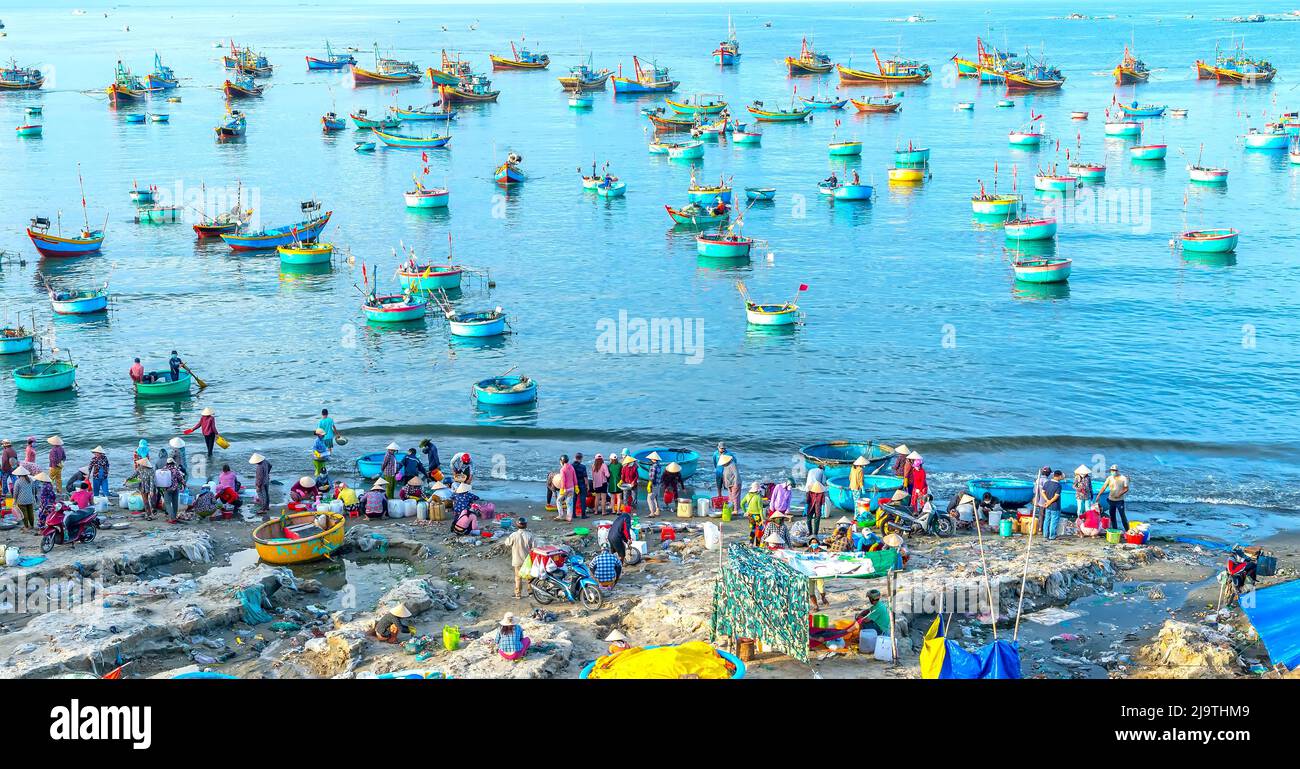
<point x="757" y="596"/>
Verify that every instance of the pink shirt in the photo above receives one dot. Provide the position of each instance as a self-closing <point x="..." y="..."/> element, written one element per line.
<point x="226" y="481"/>
<point x="568" y="477"/>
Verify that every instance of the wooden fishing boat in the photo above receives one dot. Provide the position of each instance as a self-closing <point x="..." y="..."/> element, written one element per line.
<point x="411" y="142"/>
<point x="808" y="62"/>
<point x="163" y="386"/>
<point x="509" y="173"/>
<point x="423" y="114"/>
<point x="664" y="122"/>
<point x="688" y="150"/>
<point x="1078" y="115"/>
<point x="475" y="89"/>
<point x="247" y="61"/>
<point x="505" y="390"/>
<point x="1041" y="269"/>
<point x="125" y="86"/>
<point x="877" y="104"/>
<point x="708" y="194"/>
<point x="163" y="78"/>
<point x="840" y="455"/>
<point x="88" y="242"/>
<point x="1135" y="110"/>
<point x="242" y="87"/>
<point x="229" y="221"/>
<point x="520" y="58"/>
<point x="361" y="119"/>
<point x="1148" y="152"/>
<point x="16" y="339"/>
<point x="300" y="254"/>
<point x="844" y="149"/>
<point x="386" y="72"/>
<point x="888" y="72"/>
<point x="989" y="64"/>
<point x="232" y="127"/>
<point x="845" y="191"/>
<point x="792" y="115"/>
<point x="301" y="541"/>
<point x="1052" y="182"/>
<point x="1035" y="76"/>
<point x="611" y="188"/>
<point x="652" y="79"/>
<point x="394" y="308"/>
<point x="1131" y="70"/>
<point x="305" y="231"/>
<point x="699" y="104"/>
<point x="330" y="122"/>
<point x="1242" y="71"/>
<point x="332" y="60"/>
<point x="477" y="323"/>
<point x="818" y="103"/>
<point x="428" y="278"/>
<point x="1025" y="138"/>
<point x="760" y="193"/>
<point x="727" y="53"/>
<point x="1207" y="175"/>
<point x="741" y="134"/>
<point x="723" y="245"/>
<point x="81" y="302"/>
<point x="1088" y="172"/>
<point x="1030" y="229"/>
<point x="16" y="78"/>
<point x="31" y="129"/>
<point x="585" y="77"/>
<point x="427" y="197"/>
<point x="45" y="377"/>
<point x="1269" y="138"/>
<point x="771" y="314"/>
<point x="1122" y="128"/>
<point x="697" y="215"/>
<point x="1219" y="241"/>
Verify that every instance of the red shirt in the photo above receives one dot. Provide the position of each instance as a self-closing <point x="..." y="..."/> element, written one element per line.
<point x="137" y="372"/>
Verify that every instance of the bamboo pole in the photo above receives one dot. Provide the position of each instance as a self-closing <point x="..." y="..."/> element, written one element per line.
<point x="984" y="564"/>
<point x="1024" y="577"/>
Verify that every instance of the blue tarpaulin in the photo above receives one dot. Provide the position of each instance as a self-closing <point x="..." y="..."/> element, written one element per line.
<point x="1275" y="613"/>
<point x="941" y="658"/>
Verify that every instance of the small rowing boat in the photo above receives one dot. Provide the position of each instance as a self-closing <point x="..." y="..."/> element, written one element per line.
<point x="1122" y="128"/>
<point x="1050" y="181"/>
<point x="159" y="384"/>
<point x="740" y="134"/>
<point x="723" y="244"/>
<point x="845" y="191"/>
<point x="1148" y="152"/>
<point x="1207" y="174"/>
<point x="1030" y="229"/>
<point x="31" y="129"/>
<point x="509" y="173"/>
<point x="361" y="119"/>
<point x="844" y="149"/>
<point x="80" y="302"/>
<point x="394" y="308"/>
<point x="423" y="114"/>
<point x="1136" y="110"/>
<point x="411" y="142"/>
<point x="330" y="122"/>
<point x="1269" y="138"/>
<point x="708" y="193"/>
<point x="760" y="193"/>
<point x="16" y="339"/>
<point x="476" y="323"/>
<point x="1088" y="172"/>
<point x="818" y="103"/>
<point x="611" y="187"/>
<point x="877" y="104"/>
<point x="688" y="150"/>
<point x="1078" y="115"/>
<point x="428" y="278"/>
<point x="297" y="538"/>
<point x="1041" y="269"/>
<point x="426" y="197"/>
<point x="300" y="254"/>
<point x="45" y="377"/>
<point x="505" y="391"/>
<point x="1219" y="241"/>
<point x="696" y="215"/>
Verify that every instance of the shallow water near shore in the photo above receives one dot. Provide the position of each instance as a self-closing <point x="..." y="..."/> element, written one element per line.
<point x="1179" y="370"/>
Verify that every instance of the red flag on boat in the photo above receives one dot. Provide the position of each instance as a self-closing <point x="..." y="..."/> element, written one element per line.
<point x="364" y="280"/>
<point x="1033" y="117"/>
<point x="426" y="170"/>
<point x="995" y="167"/>
<point x="803" y="286"/>
<point x="424" y="158"/>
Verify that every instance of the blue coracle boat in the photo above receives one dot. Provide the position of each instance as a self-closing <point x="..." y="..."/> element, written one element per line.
<point x="842" y="454"/>
<point x="688" y="459"/>
<point x="505" y="390"/>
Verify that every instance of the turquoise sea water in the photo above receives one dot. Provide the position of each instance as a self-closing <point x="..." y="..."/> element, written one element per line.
<point x="1181" y="370"/>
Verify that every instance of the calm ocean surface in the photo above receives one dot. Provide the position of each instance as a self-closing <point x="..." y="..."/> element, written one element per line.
<point x="1182" y="371"/>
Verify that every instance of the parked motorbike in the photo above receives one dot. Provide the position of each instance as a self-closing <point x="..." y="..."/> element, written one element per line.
<point x="66" y="524"/>
<point x="573" y="582"/>
<point x="932" y="522"/>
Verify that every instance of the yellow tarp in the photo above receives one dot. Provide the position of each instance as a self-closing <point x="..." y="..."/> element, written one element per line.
<point x="693" y="659"/>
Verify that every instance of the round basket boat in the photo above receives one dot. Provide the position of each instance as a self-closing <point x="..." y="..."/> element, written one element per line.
<point x="839" y="494"/>
<point x="13" y="341"/>
<point x="1009" y="492"/>
<point x="301" y="542"/>
<point x="771" y="314"/>
<point x="477" y="324"/>
<point x="505" y="390"/>
<point x="842" y="454"/>
<point x="45" y="377"/>
<point x="731" y="658"/>
<point x="687" y="458"/>
<point x="163" y="386"/>
<point x="370" y="465"/>
<point x="306" y="253"/>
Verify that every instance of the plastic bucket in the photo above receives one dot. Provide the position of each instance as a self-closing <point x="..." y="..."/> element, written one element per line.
<point x="821" y="621"/>
<point x="602" y="531"/>
<point x="712" y="535"/>
<point x="703" y="504"/>
<point x="1006" y="527"/>
<point x="683" y="508"/>
<point x="1112" y="536"/>
<point x="450" y="637"/>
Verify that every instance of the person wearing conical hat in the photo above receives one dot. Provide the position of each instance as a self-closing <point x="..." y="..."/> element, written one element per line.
<point x="752" y="506"/>
<point x="673" y="484"/>
<point x="392" y="623"/>
<point x="46" y="496"/>
<point x="730" y="480"/>
<point x="899" y="466"/>
<point x="718" y="467"/>
<point x="374" y="502"/>
<point x="262" y="482"/>
<point x="511" y="643"/>
<point x="304" y="490"/>
<point x="1082" y="490"/>
<point x="464" y="513"/>
<point x="654" y="487"/>
<point x="777" y="526"/>
<point x="24" y="496"/>
<point x="320" y="452"/>
<point x="857" y="477"/>
<point x="412" y="489"/>
<point x="58" y="455"/>
<point x="617" y="642"/>
<point x="97" y="472"/>
<point x="388" y="469"/>
<point x="841" y="540"/>
<point x="207" y="426"/>
<point x="630" y="473"/>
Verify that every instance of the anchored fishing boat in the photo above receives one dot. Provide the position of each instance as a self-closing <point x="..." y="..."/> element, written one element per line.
<point x="1050" y="181"/>
<point x="159" y="384"/>
<point x="520" y="58"/>
<point x="652" y="79"/>
<point x="688" y="150"/>
<point x="1131" y="70"/>
<point x="663" y="121"/>
<point x="699" y="104"/>
<point x="386" y="72"/>
<point x="842" y="149"/>
<point x="45" y="377"/>
<point x="305" y="231"/>
<point x="808" y="62"/>
<point x="756" y="314"/>
<point x="819" y="103"/>
<point x="1030" y="229"/>
<point x="727" y="244"/>
<point x="1036" y="75"/>
<point x="740" y="134"/>
<point x="1219" y="241"/>
<point x="509" y="173"/>
<point x="1271" y="137"/>
<point x="16" y="339"/>
<point x="159" y="117"/>
<point x="332" y="60"/>
<point x="1207" y="174"/>
<point x="475" y="323"/>
<point x="877" y="104"/>
<point x="29" y="130"/>
<point x="125" y="87"/>
<point x="233" y="126"/>
<point x="994" y="204"/>
<point x="988" y="65"/>
<point x="429" y="277"/>
<point x="426" y="197"/>
<point x="791" y="115"/>
<point x="88" y="241"/>
<point x="888" y="72"/>
<point x="473" y="89"/>
<point x="708" y="193"/>
<point x="16" y="78"/>
<point x="361" y="119"/>
<point x="163" y="78"/>
<point x="330" y="122"/>
<point x="581" y="100"/>
<point x="136" y="118"/>
<point x="411" y="142"/>
<point x="728" y="51"/>
<point x="760" y="193"/>
<point x="1028" y="136"/>
<point x="839" y="456"/>
<point x="1143" y="110"/>
<point x="1088" y="172"/>
<point x="296" y="538"/>
<point x="79" y="302"/>
<point x="232" y="220"/>
<point x="585" y="77"/>
<point x="427" y="113"/>
<point x="505" y="391"/>
<point x="611" y="187"/>
<point x="242" y="87"/>
<point x="246" y="61"/>
<point x="698" y="215"/>
<point x="1148" y="152"/>
<point x="841" y="190"/>
<point x="394" y="308"/>
<point x="1122" y="128"/>
<point x="1079" y="115"/>
<point x="302" y="254"/>
<point x="1236" y="69"/>
<point x="1041" y="269"/>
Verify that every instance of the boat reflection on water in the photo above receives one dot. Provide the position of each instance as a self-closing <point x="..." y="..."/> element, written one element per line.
<point x="292" y="273"/>
<point x="477" y="342"/>
<point x="398" y="327"/>
<point x="1036" y="248"/>
<point x="517" y="414"/>
<point x="179" y="405"/>
<point x="737" y="264"/>
<point x="1039" y="291"/>
<point x="755" y="334"/>
<point x="436" y="214"/>
<point x="1210" y="259"/>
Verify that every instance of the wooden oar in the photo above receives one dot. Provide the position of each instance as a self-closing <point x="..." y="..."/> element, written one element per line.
<point x="200" y="382"/>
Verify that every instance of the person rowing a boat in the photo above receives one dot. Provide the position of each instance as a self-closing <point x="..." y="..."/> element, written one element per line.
<point x="831" y="181"/>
